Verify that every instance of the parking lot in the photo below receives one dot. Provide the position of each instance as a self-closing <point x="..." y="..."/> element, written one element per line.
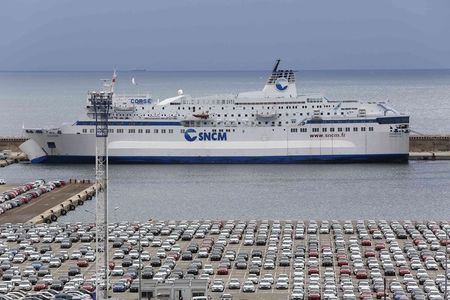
<point x="246" y="259"/>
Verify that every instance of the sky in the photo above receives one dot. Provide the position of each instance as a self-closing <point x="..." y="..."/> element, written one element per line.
<point x="224" y="35"/>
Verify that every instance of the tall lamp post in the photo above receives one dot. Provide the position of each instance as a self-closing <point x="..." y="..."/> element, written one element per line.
<point x="140" y="263"/>
<point x="446" y="264"/>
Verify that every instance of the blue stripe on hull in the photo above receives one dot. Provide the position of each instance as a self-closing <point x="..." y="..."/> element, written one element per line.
<point x="292" y="159"/>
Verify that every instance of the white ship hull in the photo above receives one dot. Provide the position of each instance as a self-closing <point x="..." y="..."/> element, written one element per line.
<point x="254" y="145"/>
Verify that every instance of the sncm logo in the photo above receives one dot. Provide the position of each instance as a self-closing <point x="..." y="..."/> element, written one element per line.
<point x="281" y="84"/>
<point x="191" y="135"/>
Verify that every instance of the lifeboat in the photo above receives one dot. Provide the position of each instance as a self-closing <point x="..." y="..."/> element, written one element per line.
<point x="266" y="115"/>
<point x="202" y="115"/>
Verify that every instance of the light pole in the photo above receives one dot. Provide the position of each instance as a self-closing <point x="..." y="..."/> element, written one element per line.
<point x="115" y="216"/>
<point x="446" y="264"/>
<point x="140" y="263"/>
<point x="385" y="284"/>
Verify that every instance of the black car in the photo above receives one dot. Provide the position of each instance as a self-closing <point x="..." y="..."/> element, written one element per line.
<point x="66" y="244"/>
<point x="64" y="278"/>
<point x="215" y="256"/>
<point x="187" y="255"/>
<point x="147" y="274"/>
<point x="127" y="261"/>
<point x="33" y="279"/>
<point x="45" y="248"/>
<point x="155" y="262"/>
<point x="257" y="253"/>
<point x="186" y="237"/>
<point x="284" y="262"/>
<point x="389" y="272"/>
<point x="117" y="243"/>
<point x="85" y="238"/>
<point x="134" y="287"/>
<point x="73" y="270"/>
<point x="57" y="285"/>
<point x="192" y="270"/>
<point x="8" y="275"/>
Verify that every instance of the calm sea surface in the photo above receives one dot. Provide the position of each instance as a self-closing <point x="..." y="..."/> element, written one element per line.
<point x="418" y="190"/>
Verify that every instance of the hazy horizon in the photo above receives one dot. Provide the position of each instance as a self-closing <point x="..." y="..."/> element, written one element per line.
<point x="259" y="70"/>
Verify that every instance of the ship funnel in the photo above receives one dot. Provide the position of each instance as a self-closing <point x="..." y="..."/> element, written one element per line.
<point x="281" y="83"/>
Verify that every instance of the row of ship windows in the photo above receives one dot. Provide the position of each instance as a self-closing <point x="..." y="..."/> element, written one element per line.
<point x="226" y="115"/>
<point x="332" y="129"/>
<point x="252" y="108"/>
<point x="120" y="130"/>
<point x="315" y="129"/>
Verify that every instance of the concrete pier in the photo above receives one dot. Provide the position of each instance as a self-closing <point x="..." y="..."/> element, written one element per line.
<point x="49" y="206"/>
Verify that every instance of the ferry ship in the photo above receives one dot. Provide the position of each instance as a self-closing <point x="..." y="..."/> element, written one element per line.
<point x="273" y="125"/>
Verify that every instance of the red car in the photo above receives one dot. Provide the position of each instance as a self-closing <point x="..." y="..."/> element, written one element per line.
<point x="174" y="254"/>
<point x="88" y="287"/>
<point x="111" y="265"/>
<point x="313" y="254"/>
<point x="82" y="263"/>
<point x="40" y="285"/>
<point x="342" y="263"/>
<point x="379" y="246"/>
<point x="366" y="242"/>
<point x="222" y="271"/>
<point x="314" y="296"/>
<point x="445" y="242"/>
<point x="369" y="253"/>
<point x="417" y="241"/>
<point x="365" y="295"/>
<point x="380" y="295"/>
<point x="313" y="270"/>
<point x="361" y="275"/>
<point x="403" y="271"/>
<point x="345" y="271"/>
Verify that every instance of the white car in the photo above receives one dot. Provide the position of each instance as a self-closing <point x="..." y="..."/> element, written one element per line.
<point x="19" y="258"/>
<point x="281" y="284"/>
<point x="70" y="286"/>
<point x="253" y="278"/>
<point x="2" y="181"/>
<point x="208" y="269"/>
<point x="117" y="271"/>
<point x="6" y="288"/>
<point x="55" y="263"/>
<point x="265" y="284"/>
<point x="217" y="286"/>
<point x="269" y="277"/>
<point x="25" y="286"/>
<point x="234" y="284"/>
<point x="248" y="287"/>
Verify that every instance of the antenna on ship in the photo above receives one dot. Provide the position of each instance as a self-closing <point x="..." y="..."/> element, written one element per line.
<point x="275" y="68"/>
<point x="113" y="81"/>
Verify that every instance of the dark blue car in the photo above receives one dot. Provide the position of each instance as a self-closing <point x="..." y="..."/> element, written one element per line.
<point x="119" y="287"/>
